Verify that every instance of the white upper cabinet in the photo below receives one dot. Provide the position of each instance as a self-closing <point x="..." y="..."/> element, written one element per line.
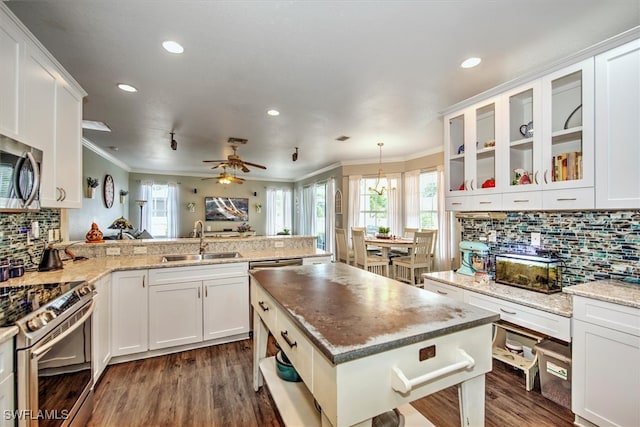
<point x="10" y="54"/>
<point x="41" y="105"/>
<point x="618" y="128"/>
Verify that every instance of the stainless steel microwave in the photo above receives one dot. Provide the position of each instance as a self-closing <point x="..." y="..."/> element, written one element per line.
<point x="20" y="167"/>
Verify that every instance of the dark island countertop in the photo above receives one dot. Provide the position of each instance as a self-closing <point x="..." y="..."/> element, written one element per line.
<point x="349" y="313"/>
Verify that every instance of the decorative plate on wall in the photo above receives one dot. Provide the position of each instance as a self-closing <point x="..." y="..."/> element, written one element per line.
<point x="109" y="190"/>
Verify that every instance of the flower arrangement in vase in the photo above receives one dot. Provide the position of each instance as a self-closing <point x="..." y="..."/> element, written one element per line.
<point x="244" y="229"/>
<point x="92" y="184"/>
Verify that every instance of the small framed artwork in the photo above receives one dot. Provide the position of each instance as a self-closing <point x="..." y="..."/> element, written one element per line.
<point x="338" y="201"/>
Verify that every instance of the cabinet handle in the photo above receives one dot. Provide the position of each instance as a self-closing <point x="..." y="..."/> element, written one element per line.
<point x="471" y="185"/>
<point x="143" y="277"/>
<point x="442" y="292"/>
<point x="485" y="203"/>
<point x="263" y="306"/>
<point x="206" y="292"/>
<point x="545" y="177"/>
<point x="456" y="203"/>
<point x="507" y="311"/>
<point x="520" y="201"/>
<point x="64" y="194"/>
<point x="285" y="335"/>
<point x="566" y="199"/>
<point x="198" y="293"/>
<point x="535" y="177"/>
<point x="59" y="191"/>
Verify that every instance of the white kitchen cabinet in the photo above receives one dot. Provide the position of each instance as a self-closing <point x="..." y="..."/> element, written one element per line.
<point x="444" y="290"/>
<point x="606" y="372"/>
<point x="101" y="326"/>
<point x="11" y="49"/>
<point x="618" y="128"/>
<point x="194" y="304"/>
<point x="7" y="382"/>
<point x="225" y="307"/>
<point x="129" y="312"/>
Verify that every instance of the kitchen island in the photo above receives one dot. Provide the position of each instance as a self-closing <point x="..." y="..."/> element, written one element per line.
<point x="364" y="344"/>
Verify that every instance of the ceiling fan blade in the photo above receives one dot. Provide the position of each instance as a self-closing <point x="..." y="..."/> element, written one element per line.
<point x="214" y="161"/>
<point x="211" y="177"/>
<point x="237" y="181"/>
<point x="255" y="165"/>
<point x="245" y="169"/>
<point x="221" y="165"/>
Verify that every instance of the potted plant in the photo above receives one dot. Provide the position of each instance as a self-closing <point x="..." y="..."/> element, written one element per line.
<point x="244" y="229"/>
<point x="383" y="232"/>
<point x="92" y="184"/>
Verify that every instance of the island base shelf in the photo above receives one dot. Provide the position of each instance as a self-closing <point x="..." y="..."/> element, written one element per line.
<point x="296" y="406"/>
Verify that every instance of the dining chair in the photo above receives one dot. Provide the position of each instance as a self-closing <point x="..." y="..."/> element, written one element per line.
<point x="343" y="253"/>
<point x="409" y="269"/>
<point x="363" y="260"/>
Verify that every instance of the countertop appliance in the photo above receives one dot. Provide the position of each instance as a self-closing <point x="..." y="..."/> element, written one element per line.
<point x="20" y="167"/>
<point x="53" y="351"/>
<point x="474" y="258"/>
<point x="533" y="272"/>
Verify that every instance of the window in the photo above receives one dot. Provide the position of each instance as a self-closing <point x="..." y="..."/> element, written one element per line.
<point x="278" y="210"/>
<point x="161" y="217"/>
<point x="429" y="199"/>
<point x="373" y="207"/>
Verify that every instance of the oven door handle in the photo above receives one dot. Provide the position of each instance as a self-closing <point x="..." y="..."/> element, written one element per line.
<point x="45" y="348"/>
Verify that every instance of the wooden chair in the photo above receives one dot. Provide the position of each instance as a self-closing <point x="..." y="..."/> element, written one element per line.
<point x="343" y="253"/>
<point x="374" y="264"/>
<point x="408" y="269"/>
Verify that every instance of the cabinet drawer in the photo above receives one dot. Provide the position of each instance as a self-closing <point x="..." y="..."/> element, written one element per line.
<point x="162" y="276"/>
<point x="572" y="199"/>
<point x="525" y="200"/>
<point x="264" y="305"/>
<point x="6" y="359"/>
<point x="486" y="202"/>
<point x="460" y="203"/>
<point x="608" y="315"/>
<point x="547" y="323"/>
<point x="444" y="290"/>
<point x="296" y="346"/>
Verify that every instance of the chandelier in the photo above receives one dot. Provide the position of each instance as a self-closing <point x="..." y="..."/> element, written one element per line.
<point x="377" y="189"/>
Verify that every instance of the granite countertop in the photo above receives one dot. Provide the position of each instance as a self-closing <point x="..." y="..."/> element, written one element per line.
<point x="349" y="313"/>
<point x="612" y="291"/>
<point x="93" y="269"/>
<point x="558" y="303"/>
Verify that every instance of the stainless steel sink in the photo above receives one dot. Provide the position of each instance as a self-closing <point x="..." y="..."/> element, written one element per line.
<point x="198" y="257"/>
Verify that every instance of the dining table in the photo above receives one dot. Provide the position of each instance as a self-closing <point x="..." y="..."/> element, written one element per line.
<point x="393" y="242"/>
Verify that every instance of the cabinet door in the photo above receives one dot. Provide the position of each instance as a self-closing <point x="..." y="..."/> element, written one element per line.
<point x="455" y="145"/>
<point x="522" y="167"/>
<point x="175" y="314"/>
<point x="10" y="50"/>
<point x="101" y="327"/>
<point x="226" y="307"/>
<point x="444" y="290"/>
<point x="129" y="312"/>
<point x="7" y="400"/>
<point x="618" y="128"/>
<point x="38" y="109"/>
<point x="568" y="129"/>
<point x="606" y="375"/>
<point x="62" y="177"/>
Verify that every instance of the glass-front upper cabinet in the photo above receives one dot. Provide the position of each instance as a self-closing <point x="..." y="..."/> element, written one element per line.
<point x="568" y="132"/>
<point x="523" y="168"/>
<point x="455" y="152"/>
<point x="485" y="146"/>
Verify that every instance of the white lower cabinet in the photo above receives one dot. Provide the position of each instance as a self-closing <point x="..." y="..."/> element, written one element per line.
<point x="316" y="260"/>
<point x="606" y="368"/>
<point x="7" y="383"/>
<point x="129" y="312"/>
<point x="101" y="326"/>
<point x="444" y="290"/>
<point x="193" y="304"/>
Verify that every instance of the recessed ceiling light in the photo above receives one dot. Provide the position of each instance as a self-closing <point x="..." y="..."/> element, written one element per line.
<point x="273" y="112"/>
<point x="470" y="62"/>
<point x="127" y="88"/>
<point x="173" y="47"/>
<point x="95" y="125"/>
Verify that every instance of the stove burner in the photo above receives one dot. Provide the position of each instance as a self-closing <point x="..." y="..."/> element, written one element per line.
<point x="17" y="302"/>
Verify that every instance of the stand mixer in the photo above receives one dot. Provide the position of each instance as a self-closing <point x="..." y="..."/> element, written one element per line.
<point x="474" y="257"/>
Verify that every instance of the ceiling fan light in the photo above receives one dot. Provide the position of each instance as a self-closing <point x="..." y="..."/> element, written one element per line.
<point x="471" y="62"/>
<point x="273" y="113"/>
<point x="172" y="46"/>
<point x="126" y="87"/>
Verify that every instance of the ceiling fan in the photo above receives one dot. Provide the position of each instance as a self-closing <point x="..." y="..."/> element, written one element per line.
<point x="226" y="178"/>
<point x="234" y="161"/>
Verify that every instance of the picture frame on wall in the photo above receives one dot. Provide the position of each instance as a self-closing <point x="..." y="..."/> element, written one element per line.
<point x="226" y="209"/>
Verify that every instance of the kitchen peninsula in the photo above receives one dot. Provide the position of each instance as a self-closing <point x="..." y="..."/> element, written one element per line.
<point x="364" y="344"/>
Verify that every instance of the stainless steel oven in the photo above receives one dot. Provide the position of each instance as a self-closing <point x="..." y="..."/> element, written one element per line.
<point x="53" y="353"/>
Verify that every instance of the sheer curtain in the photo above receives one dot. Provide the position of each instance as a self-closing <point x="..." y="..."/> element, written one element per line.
<point x="331" y="216"/>
<point x="307" y="219"/>
<point x="394" y="204"/>
<point x="278" y="221"/>
<point x="447" y="240"/>
<point x="271" y="228"/>
<point x="353" y="218"/>
<point x="147" y="195"/>
<point x="172" y="210"/>
<point x="412" y="199"/>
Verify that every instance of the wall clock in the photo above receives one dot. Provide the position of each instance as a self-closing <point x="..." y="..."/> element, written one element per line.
<point x="108" y="190"/>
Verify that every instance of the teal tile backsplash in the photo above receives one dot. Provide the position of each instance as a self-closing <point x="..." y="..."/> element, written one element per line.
<point x="591" y="244"/>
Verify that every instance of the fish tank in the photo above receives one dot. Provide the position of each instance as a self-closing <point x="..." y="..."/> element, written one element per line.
<point x="531" y="272"/>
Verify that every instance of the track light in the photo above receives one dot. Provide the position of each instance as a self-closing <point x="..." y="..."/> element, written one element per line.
<point x="174" y="143"/>
<point x="294" y="156"/>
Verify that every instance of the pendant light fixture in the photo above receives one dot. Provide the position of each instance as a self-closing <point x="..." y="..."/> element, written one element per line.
<point x="377" y="189"/>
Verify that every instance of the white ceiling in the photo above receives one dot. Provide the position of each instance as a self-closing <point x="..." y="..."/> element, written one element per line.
<point x="371" y="70"/>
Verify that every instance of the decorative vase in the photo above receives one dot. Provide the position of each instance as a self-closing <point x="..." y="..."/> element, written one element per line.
<point x="94" y="235"/>
<point x="91" y="192"/>
<point x="242" y="234"/>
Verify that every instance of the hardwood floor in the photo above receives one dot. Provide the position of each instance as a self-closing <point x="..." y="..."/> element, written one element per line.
<point x="213" y="387"/>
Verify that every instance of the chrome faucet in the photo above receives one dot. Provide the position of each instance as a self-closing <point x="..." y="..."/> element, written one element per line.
<point x="203" y="245"/>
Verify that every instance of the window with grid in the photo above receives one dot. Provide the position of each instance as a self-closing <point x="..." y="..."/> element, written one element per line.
<point x="429" y="200"/>
<point x="373" y="206"/>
